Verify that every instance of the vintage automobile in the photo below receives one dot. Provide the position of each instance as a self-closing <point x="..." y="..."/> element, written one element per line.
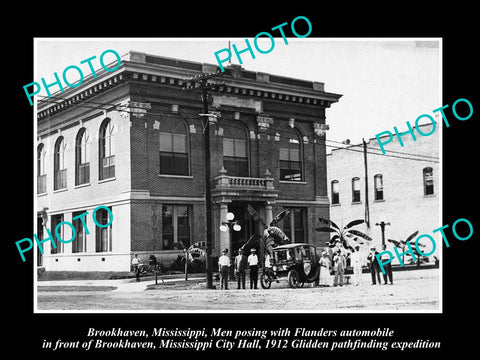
<point x="297" y="262"/>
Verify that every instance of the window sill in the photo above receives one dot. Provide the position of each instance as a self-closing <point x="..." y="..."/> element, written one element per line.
<point x="336" y="204"/>
<point x="81" y="185"/>
<point x="60" y="190"/>
<point x="176" y="176"/>
<point x="430" y="196"/>
<point x="379" y="200"/>
<point x="107" y="180"/>
<point x="356" y="202"/>
<point x="292" y="182"/>
<point x="42" y="194"/>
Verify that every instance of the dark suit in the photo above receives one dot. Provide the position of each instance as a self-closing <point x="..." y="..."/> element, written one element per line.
<point x="374" y="267"/>
<point x="240" y="268"/>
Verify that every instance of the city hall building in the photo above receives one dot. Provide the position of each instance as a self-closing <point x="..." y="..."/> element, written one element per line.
<point x="129" y="145"/>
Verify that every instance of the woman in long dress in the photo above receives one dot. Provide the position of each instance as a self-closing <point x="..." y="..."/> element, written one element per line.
<point x="325" y="279"/>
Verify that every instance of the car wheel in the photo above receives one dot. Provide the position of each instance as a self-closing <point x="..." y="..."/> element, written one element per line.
<point x="265" y="281"/>
<point x="293" y="279"/>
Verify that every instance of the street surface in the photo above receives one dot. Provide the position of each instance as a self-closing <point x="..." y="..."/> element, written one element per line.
<point x="416" y="290"/>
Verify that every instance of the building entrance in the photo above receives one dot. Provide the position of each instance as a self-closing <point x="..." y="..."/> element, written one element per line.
<point x="249" y="225"/>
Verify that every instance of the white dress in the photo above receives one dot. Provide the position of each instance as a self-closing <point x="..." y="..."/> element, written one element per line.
<point x="325" y="278"/>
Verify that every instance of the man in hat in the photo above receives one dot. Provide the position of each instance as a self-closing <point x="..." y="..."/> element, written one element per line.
<point x="356" y="263"/>
<point x="253" y="266"/>
<point x="374" y="265"/>
<point x="240" y="268"/>
<point x="223" y="265"/>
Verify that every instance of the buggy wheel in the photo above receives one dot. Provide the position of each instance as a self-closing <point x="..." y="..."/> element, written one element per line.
<point x="293" y="278"/>
<point x="265" y="281"/>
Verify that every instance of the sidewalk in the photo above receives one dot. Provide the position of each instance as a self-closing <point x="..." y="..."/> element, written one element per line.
<point x="120" y="284"/>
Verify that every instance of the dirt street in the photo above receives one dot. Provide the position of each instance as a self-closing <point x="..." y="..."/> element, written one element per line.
<point x="417" y="290"/>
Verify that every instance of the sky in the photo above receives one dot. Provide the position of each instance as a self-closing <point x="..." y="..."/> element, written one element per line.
<point x="384" y="81"/>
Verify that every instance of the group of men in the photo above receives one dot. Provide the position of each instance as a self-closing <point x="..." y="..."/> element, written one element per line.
<point x="241" y="262"/>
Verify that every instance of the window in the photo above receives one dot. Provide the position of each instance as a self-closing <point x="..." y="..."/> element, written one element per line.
<point x="291" y="157"/>
<point x="59" y="166"/>
<point x="57" y="219"/>
<point x="103" y="241"/>
<point x="41" y="173"/>
<point x="79" y="244"/>
<point x="378" y="183"/>
<point x="335" y="192"/>
<point x="294" y="225"/>
<point x="82" y="158"/>
<point x="106" y="151"/>
<point x="235" y="158"/>
<point x="428" y="181"/>
<point x="176" y="227"/>
<point x="173" y="147"/>
<point x="356" y="189"/>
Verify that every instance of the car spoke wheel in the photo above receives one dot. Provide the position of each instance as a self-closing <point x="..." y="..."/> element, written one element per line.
<point x="265" y="281"/>
<point x="293" y="279"/>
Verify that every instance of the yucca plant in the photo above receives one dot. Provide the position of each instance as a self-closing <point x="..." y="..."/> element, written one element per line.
<point x="342" y="234"/>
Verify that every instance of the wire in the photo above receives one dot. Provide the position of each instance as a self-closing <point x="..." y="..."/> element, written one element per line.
<point x="274" y="133"/>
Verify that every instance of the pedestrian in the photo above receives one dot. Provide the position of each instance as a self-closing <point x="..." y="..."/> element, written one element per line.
<point x="356" y="263"/>
<point x="253" y="266"/>
<point x="136" y="267"/>
<point x="387" y="266"/>
<point x="339" y="264"/>
<point x="223" y="265"/>
<point x="324" y="278"/>
<point x="374" y="266"/>
<point x="240" y="268"/>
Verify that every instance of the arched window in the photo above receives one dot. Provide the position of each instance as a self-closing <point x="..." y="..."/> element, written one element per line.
<point x="335" y="192"/>
<point x="291" y="156"/>
<point x="82" y="158"/>
<point x="356" y="189"/>
<point x="173" y="147"/>
<point x="103" y="241"/>
<point x="41" y="172"/>
<point x="59" y="165"/>
<point x="378" y="183"/>
<point x="428" y="181"/>
<point x="106" y="150"/>
<point x="235" y="156"/>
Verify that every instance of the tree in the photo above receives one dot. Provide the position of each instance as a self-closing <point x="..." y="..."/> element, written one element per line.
<point x="343" y="235"/>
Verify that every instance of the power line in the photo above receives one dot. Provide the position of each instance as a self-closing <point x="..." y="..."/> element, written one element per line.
<point x="271" y="132"/>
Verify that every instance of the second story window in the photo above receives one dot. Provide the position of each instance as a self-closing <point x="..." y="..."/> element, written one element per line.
<point x="355" y="189"/>
<point x="59" y="165"/>
<point x="291" y="156"/>
<point x="428" y="181"/>
<point x="235" y="158"/>
<point x="106" y="151"/>
<point x="335" y="192"/>
<point x="82" y="161"/>
<point x="41" y="172"/>
<point x="378" y="182"/>
<point x="173" y="147"/>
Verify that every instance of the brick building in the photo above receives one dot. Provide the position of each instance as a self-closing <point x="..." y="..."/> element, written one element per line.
<point x="403" y="188"/>
<point x="132" y="140"/>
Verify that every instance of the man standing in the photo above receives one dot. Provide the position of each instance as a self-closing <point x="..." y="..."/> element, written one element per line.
<point x="357" y="265"/>
<point x="223" y="265"/>
<point x="339" y="264"/>
<point x="374" y="266"/>
<point x="240" y="268"/>
<point x="253" y="265"/>
<point x="387" y="266"/>
<point x="136" y="267"/>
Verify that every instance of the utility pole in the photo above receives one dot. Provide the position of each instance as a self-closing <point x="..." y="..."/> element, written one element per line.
<point x="367" y="210"/>
<point x="201" y="82"/>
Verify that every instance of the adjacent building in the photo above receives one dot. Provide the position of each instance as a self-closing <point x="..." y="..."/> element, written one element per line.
<point x="132" y="142"/>
<point x="401" y="188"/>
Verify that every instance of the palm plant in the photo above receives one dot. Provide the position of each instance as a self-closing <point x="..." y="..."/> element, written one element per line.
<point x="402" y="244"/>
<point x="342" y="235"/>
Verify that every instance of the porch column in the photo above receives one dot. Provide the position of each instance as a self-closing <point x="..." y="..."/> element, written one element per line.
<point x="225" y="241"/>
<point x="268" y="213"/>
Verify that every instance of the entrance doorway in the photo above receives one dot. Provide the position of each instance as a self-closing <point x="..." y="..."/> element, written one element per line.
<point x="248" y="225"/>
